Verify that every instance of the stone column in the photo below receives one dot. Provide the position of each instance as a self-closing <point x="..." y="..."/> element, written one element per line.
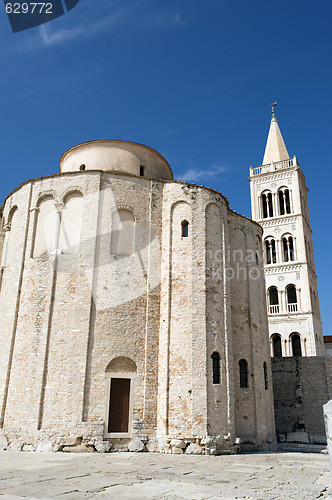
<point x="299" y="299"/>
<point x="5" y="245"/>
<point x="274" y="204"/>
<point x="278" y="251"/>
<point x="56" y="236"/>
<point x="283" y="305"/>
<point x="296" y="257"/>
<point x="291" y="201"/>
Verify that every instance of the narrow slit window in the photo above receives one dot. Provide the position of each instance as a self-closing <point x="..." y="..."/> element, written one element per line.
<point x="216" y="367"/>
<point x="291" y="249"/>
<point x="243" y="366"/>
<point x="266" y="380"/>
<point x="184" y="229"/>
<point x="141" y="171"/>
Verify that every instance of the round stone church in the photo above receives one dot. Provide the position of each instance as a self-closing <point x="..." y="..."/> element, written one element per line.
<point x="133" y="311"/>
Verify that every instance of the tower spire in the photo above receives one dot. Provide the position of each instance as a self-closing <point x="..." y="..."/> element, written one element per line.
<point x="275" y="149"/>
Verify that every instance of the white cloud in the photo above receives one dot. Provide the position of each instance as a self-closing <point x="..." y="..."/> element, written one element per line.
<point x="179" y="21"/>
<point x="194" y="174"/>
<point x="56" y="37"/>
<point x="86" y="21"/>
<point x="130" y="16"/>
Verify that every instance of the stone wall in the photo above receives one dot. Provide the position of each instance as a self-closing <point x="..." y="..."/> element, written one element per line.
<point x="70" y="316"/>
<point x="254" y="403"/>
<point x="301" y="387"/>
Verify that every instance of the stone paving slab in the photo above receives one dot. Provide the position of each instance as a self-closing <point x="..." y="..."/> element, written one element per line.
<point x="141" y="476"/>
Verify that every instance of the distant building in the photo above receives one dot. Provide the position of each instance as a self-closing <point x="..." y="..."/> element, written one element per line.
<point x="328" y="344"/>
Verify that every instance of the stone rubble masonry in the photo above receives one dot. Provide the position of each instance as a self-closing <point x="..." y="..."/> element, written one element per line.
<point x="301" y="386"/>
<point x="63" y="330"/>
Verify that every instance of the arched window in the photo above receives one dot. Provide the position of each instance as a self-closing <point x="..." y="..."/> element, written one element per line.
<point x="276" y="346"/>
<point x="291" y="298"/>
<point x="284" y="201"/>
<point x="267" y="205"/>
<point x="288" y="248"/>
<point x="82" y="167"/>
<point x="216" y="367"/>
<point x="243" y="367"/>
<point x="141" y="171"/>
<point x="123" y="233"/>
<point x="296" y="344"/>
<point x="71" y="222"/>
<point x="266" y="380"/>
<point x="273" y="300"/>
<point x="45" y="227"/>
<point x="184" y="229"/>
<point x="270" y="251"/>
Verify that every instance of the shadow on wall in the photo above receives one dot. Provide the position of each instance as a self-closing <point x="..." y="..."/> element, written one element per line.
<point x="301" y="386"/>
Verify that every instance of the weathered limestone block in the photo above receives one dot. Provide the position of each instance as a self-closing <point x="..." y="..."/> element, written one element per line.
<point x="178" y="443"/>
<point x="298" y="437"/>
<point x="194" y="449"/>
<point x="16" y="446"/>
<point x="211" y="449"/>
<point x="151" y="446"/>
<point x="103" y="446"/>
<point x="28" y="447"/>
<point x="45" y="447"/>
<point x="3" y="443"/>
<point x="317" y="439"/>
<point x="327" y="409"/>
<point x="81" y="448"/>
<point x="136" y="445"/>
<point x="177" y="451"/>
<point x="70" y="441"/>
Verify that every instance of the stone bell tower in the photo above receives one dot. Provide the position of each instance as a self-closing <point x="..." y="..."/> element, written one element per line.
<point x="279" y="204"/>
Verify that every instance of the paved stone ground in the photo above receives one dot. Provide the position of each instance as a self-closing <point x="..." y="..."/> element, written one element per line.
<point x="156" y="476"/>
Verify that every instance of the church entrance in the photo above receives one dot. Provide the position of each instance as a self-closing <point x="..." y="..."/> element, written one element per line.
<point x="120" y="379"/>
<point x="119" y="403"/>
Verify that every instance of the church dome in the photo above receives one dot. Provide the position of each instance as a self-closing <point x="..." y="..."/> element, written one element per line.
<point x="116" y="156"/>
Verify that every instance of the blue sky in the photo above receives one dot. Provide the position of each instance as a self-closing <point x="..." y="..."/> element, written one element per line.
<point x="193" y="79"/>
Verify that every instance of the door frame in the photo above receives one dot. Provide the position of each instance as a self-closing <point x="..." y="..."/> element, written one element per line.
<point x="108" y="378"/>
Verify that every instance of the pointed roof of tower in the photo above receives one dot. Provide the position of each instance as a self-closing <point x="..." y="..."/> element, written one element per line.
<point x="275" y="149"/>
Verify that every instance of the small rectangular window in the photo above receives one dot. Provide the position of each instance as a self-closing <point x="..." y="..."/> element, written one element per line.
<point x="184" y="229"/>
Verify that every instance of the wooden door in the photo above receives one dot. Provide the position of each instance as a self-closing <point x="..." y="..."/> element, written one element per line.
<point x="118" y="420"/>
